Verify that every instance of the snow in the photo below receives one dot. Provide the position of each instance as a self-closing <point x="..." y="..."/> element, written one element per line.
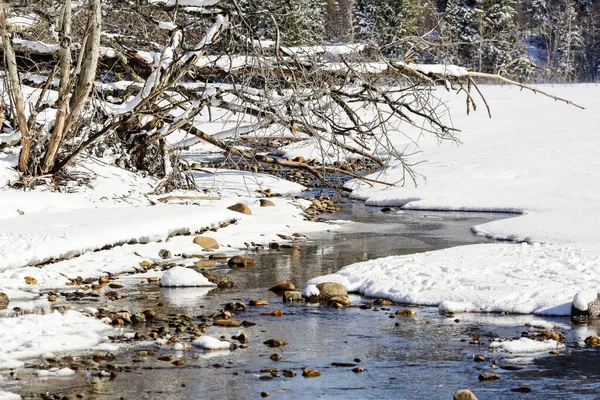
<point x="533" y="157"/>
<point x="9" y="396"/>
<point x="33" y="335"/>
<point x="44" y="373"/>
<point x="526" y="345"/>
<point x="211" y="343"/>
<point x="181" y="277"/>
<point x="582" y="299"/>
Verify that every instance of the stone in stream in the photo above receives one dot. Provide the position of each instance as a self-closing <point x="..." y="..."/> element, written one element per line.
<point x="464" y="394"/>
<point x="293" y="297"/>
<point x="138" y="318"/>
<point x="274" y="343"/>
<point x="258" y="303"/>
<point x="241" y="208"/>
<point x="339" y="300"/>
<point x="276" y="357"/>
<point x="241" y="262"/>
<point x="310" y="373"/>
<point x="284" y="237"/>
<point x="206" y="242"/>
<point x="592" y="341"/>
<point x="488" y="376"/>
<point x="328" y="290"/>
<point x="283" y="287"/>
<point x="236" y="307"/>
<point x="521" y="389"/>
<point x="221" y="280"/>
<point x="227" y="323"/>
<point x="4" y="300"/>
<point x="586" y="305"/>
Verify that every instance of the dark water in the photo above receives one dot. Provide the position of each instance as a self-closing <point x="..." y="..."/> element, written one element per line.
<point x="423" y="357"/>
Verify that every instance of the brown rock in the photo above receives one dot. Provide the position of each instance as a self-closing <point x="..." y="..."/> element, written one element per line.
<point x="178" y="363"/>
<point x="115" y="286"/>
<point x="299" y="159"/>
<point x="276" y="357"/>
<point x="292" y="297"/>
<point x="266" y="203"/>
<point x="228" y="323"/>
<point x="273" y="246"/>
<point x="488" y="376"/>
<point x="406" y="312"/>
<point x="592" y="341"/>
<point x="52" y="298"/>
<point x="383" y="302"/>
<point x="165" y="254"/>
<point x="4" y="300"/>
<point x="205" y="263"/>
<point x="283" y="287"/>
<point x="464" y="394"/>
<point x="310" y="373"/>
<point x="521" y="389"/>
<point x="165" y="358"/>
<point x="327" y="290"/>
<point x="342" y="300"/>
<point x="241" y="262"/>
<point x="206" y="242"/>
<point x="30" y="280"/>
<point x="299" y="235"/>
<point x="241" y="208"/>
<point x="285" y="237"/>
<point x="274" y="343"/>
<point x="274" y="313"/>
<point x="256" y="303"/>
<point x="221" y="280"/>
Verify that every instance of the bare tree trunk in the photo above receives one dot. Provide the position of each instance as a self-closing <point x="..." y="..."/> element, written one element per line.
<point x="15" y="91"/>
<point x="64" y="90"/>
<point x="91" y="54"/>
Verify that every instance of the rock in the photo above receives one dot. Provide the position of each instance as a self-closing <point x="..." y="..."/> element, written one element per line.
<point x="274" y="343"/>
<point x="341" y="300"/>
<point x="4" y="300"/>
<point x="285" y="237"/>
<point x="221" y="280"/>
<point x="488" y="376"/>
<point x="586" y="305"/>
<point x="264" y="394"/>
<point x="464" y="394"/>
<point x="227" y="323"/>
<point x="406" y="312"/>
<point x="153" y="279"/>
<point x="242" y="337"/>
<point x="387" y="209"/>
<point x="300" y="235"/>
<point x="273" y="246"/>
<point x="274" y="313"/>
<point x="358" y="370"/>
<point x="299" y="159"/>
<point x="218" y="256"/>
<point x="149" y="314"/>
<point x="283" y="287"/>
<point x="165" y="254"/>
<point x="288" y="373"/>
<point x="257" y="303"/>
<point x="479" y="358"/>
<point x="241" y="262"/>
<point x="521" y="389"/>
<point x="247" y="324"/>
<point x="30" y="280"/>
<point x="165" y="358"/>
<point x="383" y="302"/>
<point x="266" y="203"/>
<point x="327" y="290"/>
<point x="241" y="208"/>
<point x="138" y="318"/>
<point x="592" y="341"/>
<point x="276" y="357"/>
<point x="178" y="363"/>
<point x="236" y="307"/>
<point x="310" y="373"/>
<point x="206" y="242"/>
<point x="205" y="263"/>
<point x="292" y="297"/>
<point x="52" y="298"/>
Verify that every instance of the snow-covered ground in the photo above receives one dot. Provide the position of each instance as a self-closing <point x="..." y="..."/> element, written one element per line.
<point x="535" y="156"/>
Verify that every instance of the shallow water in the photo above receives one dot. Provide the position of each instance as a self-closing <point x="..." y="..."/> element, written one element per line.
<point x="423" y="357"/>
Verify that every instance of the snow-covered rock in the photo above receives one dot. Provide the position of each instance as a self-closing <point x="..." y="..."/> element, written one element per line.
<point x="184" y="277"/>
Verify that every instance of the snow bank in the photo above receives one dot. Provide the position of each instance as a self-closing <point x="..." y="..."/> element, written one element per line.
<point x="524" y="279"/>
<point x="525" y="345"/>
<point x="582" y="299"/>
<point x="543" y="165"/>
<point x="211" y="343"/>
<point x="9" y="396"/>
<point x="181" y="277"/>
<point x="32" y="336"/>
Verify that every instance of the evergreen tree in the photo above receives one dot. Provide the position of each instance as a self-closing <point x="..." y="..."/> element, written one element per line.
<point x="298" y="22"/>
<point x="385" y="23"/>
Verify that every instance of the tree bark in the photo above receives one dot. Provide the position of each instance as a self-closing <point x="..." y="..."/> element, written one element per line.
<point x="65" y="88"/>
<point x="15" y="91"/>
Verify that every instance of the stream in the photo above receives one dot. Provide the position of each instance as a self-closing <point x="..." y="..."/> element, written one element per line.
<point x="427" y="356"/>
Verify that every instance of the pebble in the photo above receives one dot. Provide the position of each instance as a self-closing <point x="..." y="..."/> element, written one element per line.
<point x="522" y="389"/>
<point x="165" y="358"/>
<point x="288" y="373"/>
<point x="227" y="323"/>
<point x="264" y="394"/>
<point x="283" y="287"/>
<point x="358" y="370"/>
<point x="406" y="312"/>
<point x="274" y="313"/>
<point x="310" y="373"/>
<point x="274" y="343"/>
<point x="464" y="394"/>
<point x="256" y="303"/>
<point x="488" y="376"/>
<point x="276" y="357"/>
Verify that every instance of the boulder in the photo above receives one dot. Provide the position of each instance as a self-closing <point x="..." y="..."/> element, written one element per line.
<point x="293" y="297"/>
<point x="241" y="262"/>
<point x="221" y="280"/>
<point x="165" y="254"/>
<point x="328" y="290"/>
<point x="206" y="242"/>
<point x="241" y="208"/>
<point x="283" y="287"/>
<point x="266" y="203"/>
<point x="464" y="394"/>
<point x="3" y="301"/>
<point x="586" y="305"/>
